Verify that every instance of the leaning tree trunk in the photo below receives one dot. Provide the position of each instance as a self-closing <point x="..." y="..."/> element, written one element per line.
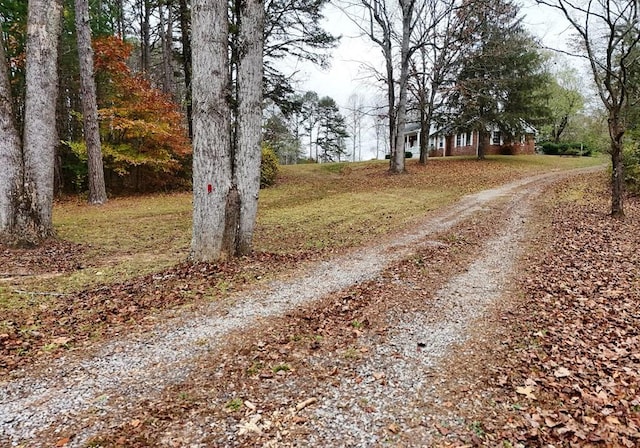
<point x="248" y="154"/>
<point x="10" y="156"/>
<point x="40" y="136"/>
<point x="212" y="164"/>
<point x="616" y="132"/>
<point x="97" y="190"/>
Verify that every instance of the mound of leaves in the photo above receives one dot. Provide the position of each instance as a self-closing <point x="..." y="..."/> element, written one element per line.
<point x="575" y="381"/>
<point x="31" y="333"/>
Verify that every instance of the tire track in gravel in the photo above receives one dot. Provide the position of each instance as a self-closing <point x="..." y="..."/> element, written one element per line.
<point x="131" y="368"/>
<point x="417" y="341"/>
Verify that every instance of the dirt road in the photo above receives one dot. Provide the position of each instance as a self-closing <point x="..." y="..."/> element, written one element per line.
<point x="374" y="390"/>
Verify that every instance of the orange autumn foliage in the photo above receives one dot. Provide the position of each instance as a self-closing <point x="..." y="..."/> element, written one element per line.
<point x="141" y="127"/>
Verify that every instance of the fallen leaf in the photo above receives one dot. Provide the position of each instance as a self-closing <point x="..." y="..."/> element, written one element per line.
<point x="442" y="429"/>
<point x="61" y="340"/>
<point x="527" y="391"/>
<point x="393" y="428"/>
<point x="562" y="372"/>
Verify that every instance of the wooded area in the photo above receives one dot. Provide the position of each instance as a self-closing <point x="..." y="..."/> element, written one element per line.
<point x="122" y="116"/>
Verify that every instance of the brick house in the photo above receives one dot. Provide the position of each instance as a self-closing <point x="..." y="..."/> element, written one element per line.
<point x="451" y="142"/>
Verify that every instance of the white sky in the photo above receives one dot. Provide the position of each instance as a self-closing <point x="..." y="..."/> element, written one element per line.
<point x="348" y="75"/>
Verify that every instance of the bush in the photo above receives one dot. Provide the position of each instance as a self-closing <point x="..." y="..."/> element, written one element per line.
<point x="407" y="155"/>
<point x="268" y="167"/>
<point x="566" y="149"/>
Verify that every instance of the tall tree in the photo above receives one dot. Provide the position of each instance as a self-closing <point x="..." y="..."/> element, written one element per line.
<point x="394" y="29"/>
<point x="226" y="159"/>
<point x="332" y="131"/>
<point x="379" y="27"/>
<point x="97" y="190"/>
<point x="501" y="72"/>
<point x="292" y="30"/>
<point x="278" y="136"/>
<point x="185" y="40"/>
<point x="609" y="35"/>
<point x="26" y="189"/>
<point x="434" y="63"/>
<point x="311" y="117"/>
<point x="355" y="106"/>
<point x="565" y="101"/>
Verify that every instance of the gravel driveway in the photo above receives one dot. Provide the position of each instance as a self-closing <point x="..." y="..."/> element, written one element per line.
<point x="67" y="395"/>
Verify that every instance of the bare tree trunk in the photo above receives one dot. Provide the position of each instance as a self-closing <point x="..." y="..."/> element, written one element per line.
<point x="248" y="152"/>
<point x="97" y="190"/>
<point x="391" y="103"/>
<point x="483" y="141"/>
<point x="616" y="132"/>
<point x="10" y="157"/>
<point x="226" y="164"/>
<point x="212" y="163"/>
<point x="166" y="33"/>
<point x="120" y="19"/>
<point x="40" y="136"/>
<point x="145" y="35"/>
<point x="397" y="164"/>
<point x="185" y="31"/>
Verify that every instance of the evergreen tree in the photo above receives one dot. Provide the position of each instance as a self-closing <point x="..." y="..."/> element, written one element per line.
<point x="277" y="136"/>
<point x="501" y="74"/>
<point x="332" y="131"/>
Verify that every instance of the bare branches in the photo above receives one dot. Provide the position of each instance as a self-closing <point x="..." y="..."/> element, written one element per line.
<point x="610" y="35"/>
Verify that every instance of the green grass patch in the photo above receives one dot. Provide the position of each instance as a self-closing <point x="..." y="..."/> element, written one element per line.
<point x="312" y="207"/>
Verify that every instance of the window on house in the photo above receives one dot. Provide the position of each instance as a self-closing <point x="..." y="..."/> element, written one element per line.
<point x="469" y="141"/>
<point x="496" y="137"/>
<point x="441" y="142"/>
<point x="459" y="141"/>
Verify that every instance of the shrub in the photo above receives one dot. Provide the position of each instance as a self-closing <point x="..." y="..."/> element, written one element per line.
<point x="407" y="155"/>
<point x="268" y="167"/>
<point x="566" y="149"/>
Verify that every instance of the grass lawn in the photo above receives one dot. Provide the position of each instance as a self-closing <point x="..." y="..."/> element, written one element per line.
<point x="119" y="265"/>
<point x="313" y="208"/>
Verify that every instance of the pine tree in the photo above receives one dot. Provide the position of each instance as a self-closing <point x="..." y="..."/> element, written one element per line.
<point x="332" y="132"/>
<point x="501" y="72"/>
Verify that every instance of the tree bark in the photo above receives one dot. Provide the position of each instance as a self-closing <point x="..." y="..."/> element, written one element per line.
<point x="40" y="136"/>
<point x="166" y="34"/>
<point x="10" y="156"/>
<point x="397" y="164"/>
<point x="483" y="141"/>
<point x="248" y="152"/>
<point x="145" y="36"/>
<point x="185" y="31"/>
<point x="616" y="133"/>
<point x="97" y="190"/>
<point x="212" y="170"/>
